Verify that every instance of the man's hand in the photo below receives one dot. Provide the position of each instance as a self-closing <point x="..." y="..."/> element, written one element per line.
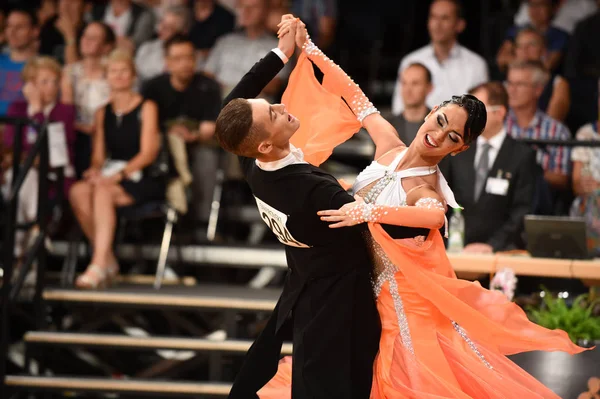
<point x="478" y="248"/>
<point x="287" y="34"/>
<point x="33" y="97"/>
<point x="183" y="132"/>
<point x="92" y="174"/>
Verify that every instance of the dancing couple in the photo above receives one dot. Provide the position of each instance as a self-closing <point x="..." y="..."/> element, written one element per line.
<point x="374" y="306"/>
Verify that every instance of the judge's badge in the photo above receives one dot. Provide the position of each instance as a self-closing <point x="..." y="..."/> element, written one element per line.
<point x="276" y="220"/>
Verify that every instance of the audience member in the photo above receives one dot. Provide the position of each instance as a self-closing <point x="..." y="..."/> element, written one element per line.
<point x="540" y="13"/>
<point x="235" y="53"/>
<point x="454" y="68"/>
<point x="85" y="86"/>
<point x="525" y="84"/>
<point x="21" y="34"/>
<point x="320" y="17"/>
<point x="277" y="8"/>
<point x="555" y="99"/>
<point x="59" y="36"/>
<point x="586" y="184"/>
<point x="569" y="13"/>
<point x="42" y="78"/>
<point x="188" y="105"/>
<point x="582" y="68"/>
<point x="2" y="30"/>
<point x="150" y="57"/>
<point x="493" y="179"/>
<point x="126" y="143"/>
<point x="211" y="21"/>
<point x="46" y="10"/>
<point x="132" y="23"/>
<point x="415" y="82"/>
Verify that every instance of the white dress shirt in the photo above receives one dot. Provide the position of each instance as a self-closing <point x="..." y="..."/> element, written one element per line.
<point x="294" y="157"/>
<point x="118" y="24"/>
<point x="495" y="145"/>
<point x="462" y="71"/>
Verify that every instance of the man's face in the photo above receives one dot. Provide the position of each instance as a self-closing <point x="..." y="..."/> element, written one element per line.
<point x="19" y="31"/>
<point x="540" y="12"/>
<point x="181" y="60"/>
<point x="529" y="47"/>
<point x="495" y="113"/>
<point x="522" y="90"/>
<point x="415" y="86"/>
<point x="277" y="123"/>
<point x="444" y="24"/>
<point x="252" y="13"/>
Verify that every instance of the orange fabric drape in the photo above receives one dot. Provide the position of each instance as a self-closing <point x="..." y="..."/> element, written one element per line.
<point x="325" y="119"/>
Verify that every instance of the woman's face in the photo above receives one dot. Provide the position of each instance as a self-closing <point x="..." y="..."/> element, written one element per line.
<point x="92" y="41"/>
<point x="119" y="75"/>
<point x="442" y="133"/>
<point x="47" y="82"/>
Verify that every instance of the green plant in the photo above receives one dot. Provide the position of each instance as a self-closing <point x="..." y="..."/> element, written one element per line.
<point x="577" y="320"/>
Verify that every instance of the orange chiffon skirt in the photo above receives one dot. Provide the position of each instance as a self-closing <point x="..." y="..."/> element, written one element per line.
<point x="443" y="337"/>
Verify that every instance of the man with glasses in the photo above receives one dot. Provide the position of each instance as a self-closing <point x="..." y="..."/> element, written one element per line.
<point x="525" y="84"/>
<point x="493" y="180"/>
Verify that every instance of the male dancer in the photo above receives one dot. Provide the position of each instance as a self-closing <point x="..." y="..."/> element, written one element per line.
<point x="327" y="298"/>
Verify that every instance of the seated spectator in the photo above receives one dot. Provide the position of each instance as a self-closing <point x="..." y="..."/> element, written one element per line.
<point x="568" y="15"/>
<point x="320" y="17"/>
<point x="211" y="21"/>
<point x="235" y="53"/>
<point x="85" y="86"/>
<point x="540" y="13"/>
<point x="21" y="34"/>
<point x="555" y="99"/>
<point x="126" y="143"/>
<point x="150" y="58"/>
<point x="60" y="34"/>
<point x="525" y="84"/>
<point x="188" y="105"/>
<point x="493" y="179"/>
<point x="586" y="184"/>
<point x="454" y="68"/>
<point x="582" y="68"/>
<point x="132" y="23"/>
<point x="416" y="86"/>
<point x="2" y="30"/>
<point x="42" y="78"/>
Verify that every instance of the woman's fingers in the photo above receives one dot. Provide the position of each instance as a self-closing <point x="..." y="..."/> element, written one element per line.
<point x="333" y="218"/>
<point x="331" y="212"/>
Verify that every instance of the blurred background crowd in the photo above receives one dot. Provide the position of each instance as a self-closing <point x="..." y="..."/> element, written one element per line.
<point x="134" y="87"/>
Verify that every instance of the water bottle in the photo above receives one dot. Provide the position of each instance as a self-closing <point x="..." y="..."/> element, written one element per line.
<point x="456" y="235"/>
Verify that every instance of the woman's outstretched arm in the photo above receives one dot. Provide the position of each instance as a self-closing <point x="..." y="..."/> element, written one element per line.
<point x="383" y="134"/>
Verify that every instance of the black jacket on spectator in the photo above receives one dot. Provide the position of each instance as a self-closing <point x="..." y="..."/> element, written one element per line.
<point x="327" y="298"/>
<point x="204" y="34"/>
<point x="200" y="101"/>
<point x="52" y="41"/>
<point x="496" y="220"/>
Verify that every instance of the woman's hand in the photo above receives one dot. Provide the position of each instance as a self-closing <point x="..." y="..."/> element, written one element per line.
<point x="343" y="217"/>
<point x="588" y="185"/>
<point x="32" y="95"/>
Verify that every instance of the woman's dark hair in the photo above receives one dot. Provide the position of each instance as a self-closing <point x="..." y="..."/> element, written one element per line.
<point x="476" y="115"/>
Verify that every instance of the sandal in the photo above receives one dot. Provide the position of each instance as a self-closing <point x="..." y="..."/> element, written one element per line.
<point x="96" y="277"/>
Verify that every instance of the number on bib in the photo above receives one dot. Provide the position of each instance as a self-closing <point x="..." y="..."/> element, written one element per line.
<point x="276" y="220"/>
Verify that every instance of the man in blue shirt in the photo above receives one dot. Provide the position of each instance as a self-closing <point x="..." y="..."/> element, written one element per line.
<point x="21" y="33"/>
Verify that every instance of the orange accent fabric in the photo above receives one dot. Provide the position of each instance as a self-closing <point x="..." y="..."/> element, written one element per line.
<point x="325" y="119"/>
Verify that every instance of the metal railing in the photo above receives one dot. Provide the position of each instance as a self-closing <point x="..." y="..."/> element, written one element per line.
<point x="11" y="287"/>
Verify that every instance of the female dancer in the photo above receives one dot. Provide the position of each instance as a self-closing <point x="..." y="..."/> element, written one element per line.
<point x="441" y="337"/>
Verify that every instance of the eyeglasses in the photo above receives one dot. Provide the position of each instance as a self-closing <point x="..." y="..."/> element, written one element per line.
<point x="492" y="108"/>
<point x="518" y="85"/>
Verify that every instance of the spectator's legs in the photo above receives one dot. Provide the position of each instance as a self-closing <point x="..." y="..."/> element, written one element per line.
<point x="80" y="197"/>
<point x="107" y="197"/>
<point x="205" y="161"/>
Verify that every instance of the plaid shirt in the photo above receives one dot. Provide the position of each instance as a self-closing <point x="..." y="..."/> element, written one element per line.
<point x="542" y="127"/>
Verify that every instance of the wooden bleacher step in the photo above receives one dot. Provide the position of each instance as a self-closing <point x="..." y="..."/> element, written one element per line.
<point x="127" y="342"/>
<point x="199" y="296"/>
<point x="85" y="384"/>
